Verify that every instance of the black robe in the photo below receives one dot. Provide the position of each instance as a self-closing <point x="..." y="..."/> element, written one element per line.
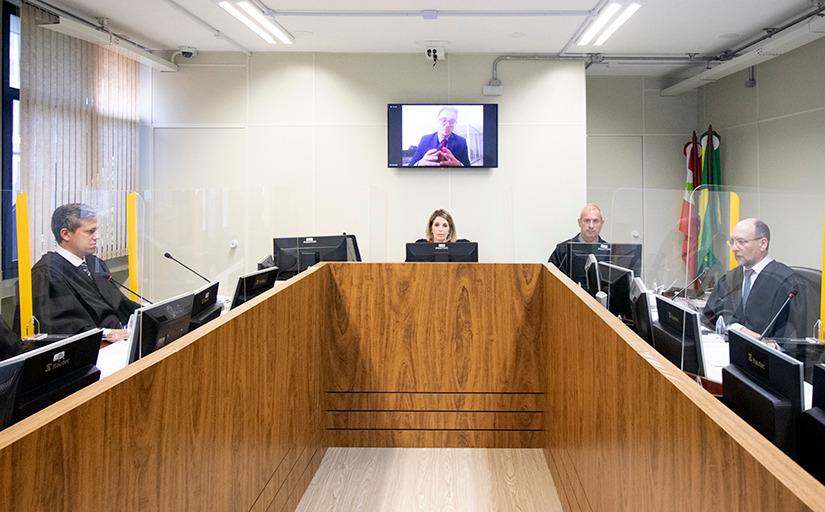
<point x="9" y="342"/>
<point x="67" y="301"/>
<point x="559" y="258"/>
<point x="768" y="292"/>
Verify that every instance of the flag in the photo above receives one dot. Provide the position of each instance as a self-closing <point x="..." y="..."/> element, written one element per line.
<point x="710" y="211"/>
<point x="689" y="220"/>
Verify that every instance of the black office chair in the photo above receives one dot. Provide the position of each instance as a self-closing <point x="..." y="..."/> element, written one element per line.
<point x="811" y="279"/>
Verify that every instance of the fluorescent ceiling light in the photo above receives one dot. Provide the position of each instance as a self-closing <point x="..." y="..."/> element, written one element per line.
<point x="618" y="22"/>
<point x="604" y="16"/>
<point x="269" y="24"/>
<point x="251" y="25"/>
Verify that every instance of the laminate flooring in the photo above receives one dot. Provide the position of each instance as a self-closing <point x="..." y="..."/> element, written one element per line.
<point x="431" y="479"/>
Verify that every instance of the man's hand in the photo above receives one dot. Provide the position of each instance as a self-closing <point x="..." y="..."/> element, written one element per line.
<point x="116" y="335"/>
<point x="448" y="158"/>
<point x="430" y="159"/>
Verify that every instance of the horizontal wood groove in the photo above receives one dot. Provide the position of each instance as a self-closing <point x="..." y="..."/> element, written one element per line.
<point x="470" y="420"/>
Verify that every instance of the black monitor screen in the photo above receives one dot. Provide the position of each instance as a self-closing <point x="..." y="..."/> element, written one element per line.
<point x="159" y="324"/>
<point x="764" y="387"/>
<point x="442" y="135"/>
<point x="624" y="255"/>
<point x="40" y="377"/>
<point x="616" y="282"/>
<point x="449" y="252"/>
<point x="295" y="254"/>
<point x="205" y="306"/>
<point x="253" y="284"/>
<point x="677" y="336"/>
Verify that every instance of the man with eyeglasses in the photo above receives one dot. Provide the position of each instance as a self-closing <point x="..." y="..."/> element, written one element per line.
<point x="443" y="148"/>
<point x="590" y="226"/>
<point x="749" y="296"/>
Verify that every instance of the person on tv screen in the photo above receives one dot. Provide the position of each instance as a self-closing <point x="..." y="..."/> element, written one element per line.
<point x="72" y="290"/>
<point x="440" y="229"/>
<point x="590" y="225"/>
<point x="748" y="297"/>
<point x="442" y="148"/>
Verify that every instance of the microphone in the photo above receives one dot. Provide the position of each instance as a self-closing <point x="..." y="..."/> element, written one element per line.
<point x="167" y="255"/>
<point x="791" y="295"/>
<point x="700" y="276"/>
<point x="111" y="279"/>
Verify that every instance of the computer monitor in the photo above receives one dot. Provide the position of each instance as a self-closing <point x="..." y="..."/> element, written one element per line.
<point x="676" y="335"/>
<point x="616" y="281"/>
<point x="205" y="306"/>
<point x="764" y="387"/>
<point x="591" y="271"/>
<point x="267" y="261"/>
<point x="253" y="284"/>
<point x="809" y="443"/>
<point x="295" y="254"/>
<point x="577" y="256"/>
<point x="159" y="324"/>
<point x="641" y="311"/>
<point x="353" y="253"/>
<point x="35" y="379"/>
<point x="624" y="255"/>
<point x="438" y="252"/>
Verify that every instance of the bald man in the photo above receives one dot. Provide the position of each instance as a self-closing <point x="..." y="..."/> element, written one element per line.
<point x="749" y="296"/>
<point x="590" y="225"/>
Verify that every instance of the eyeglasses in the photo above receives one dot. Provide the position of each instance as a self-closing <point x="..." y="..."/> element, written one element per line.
<point x="447" y="120"/>
<point x="740" y="242"/>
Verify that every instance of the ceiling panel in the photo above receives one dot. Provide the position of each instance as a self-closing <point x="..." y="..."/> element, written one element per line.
<point x="659" y="27"/>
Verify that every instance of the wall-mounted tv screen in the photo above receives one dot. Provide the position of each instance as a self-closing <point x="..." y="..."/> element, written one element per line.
<point x="442" y="135"/>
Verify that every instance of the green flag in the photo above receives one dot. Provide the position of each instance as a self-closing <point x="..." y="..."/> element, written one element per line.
<point x="710" y="211"/>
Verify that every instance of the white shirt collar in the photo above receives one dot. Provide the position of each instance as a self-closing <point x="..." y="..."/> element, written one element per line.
<point x="759" y="267"/>
<point x="70" y="257"/>
<point x="440" y="137"/>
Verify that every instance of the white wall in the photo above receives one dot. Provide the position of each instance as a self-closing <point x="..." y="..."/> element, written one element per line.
<point x="635" y="168"/>
<point x="295" y="144"/>
<point x="773" y="151"/>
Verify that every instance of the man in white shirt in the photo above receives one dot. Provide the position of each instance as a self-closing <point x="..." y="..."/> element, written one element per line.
<point x="72" y="288"/>
<point x="748" y="297"/>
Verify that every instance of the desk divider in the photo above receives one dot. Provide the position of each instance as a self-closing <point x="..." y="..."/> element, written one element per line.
<point x="237" y="415"/>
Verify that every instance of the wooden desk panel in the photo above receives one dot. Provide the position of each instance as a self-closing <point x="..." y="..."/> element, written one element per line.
<point x="628" y="431"/>
<point x="415" y="348"/>
<point x="226" y="418"/>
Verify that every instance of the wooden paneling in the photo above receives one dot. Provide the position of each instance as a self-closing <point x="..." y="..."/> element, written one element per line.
<point x="435" y="420"/>
<point x="628" y="431"/>
<point x="436" y="438"/>
<point x="431" y="327"/>
<point x="419" y="353"/>
<point x="226" y="418"/>
<point x="491" y="402"/>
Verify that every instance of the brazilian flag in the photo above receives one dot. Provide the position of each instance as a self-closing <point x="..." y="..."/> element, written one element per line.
<point x="710" y="209"/>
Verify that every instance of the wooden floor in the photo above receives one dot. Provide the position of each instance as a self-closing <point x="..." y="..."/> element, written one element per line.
<point x="431" y="479"/>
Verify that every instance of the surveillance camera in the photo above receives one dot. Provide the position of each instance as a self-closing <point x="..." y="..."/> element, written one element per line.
<point x="434" y="54"/>
<point x="187" y="52"/>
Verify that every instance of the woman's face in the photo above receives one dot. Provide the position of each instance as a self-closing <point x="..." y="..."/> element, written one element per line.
<point x="441" y="230"/>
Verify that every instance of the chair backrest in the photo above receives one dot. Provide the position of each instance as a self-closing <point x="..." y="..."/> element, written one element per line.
<point x="812" y="279"/>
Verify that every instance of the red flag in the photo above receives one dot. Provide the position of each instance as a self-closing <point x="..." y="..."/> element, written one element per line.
<point x="689" y="220"/>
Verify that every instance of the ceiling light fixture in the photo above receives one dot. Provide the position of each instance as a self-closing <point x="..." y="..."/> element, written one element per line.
<point x="605" y="15"/>
<point x="629" y="11"/>
<point x="255" y="20"/>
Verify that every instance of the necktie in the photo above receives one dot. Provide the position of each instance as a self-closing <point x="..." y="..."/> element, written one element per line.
<point x="746" y="287"/>
<point x="443" y="143"/>
<point x="85" y="269"/>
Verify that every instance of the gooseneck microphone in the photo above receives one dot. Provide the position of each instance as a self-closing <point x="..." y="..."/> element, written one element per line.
<point x="791" y="295"/>
<point x="167" y="255"/>
<point x="111" y="279"/>
<point x="697" y="278"/>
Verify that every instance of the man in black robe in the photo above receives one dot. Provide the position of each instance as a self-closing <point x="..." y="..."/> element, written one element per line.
<point x="590" y="225"/>
<point x="749" y="296"/>
<point x="72" y="288"/>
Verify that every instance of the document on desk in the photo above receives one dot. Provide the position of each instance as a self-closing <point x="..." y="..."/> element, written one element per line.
<point x="112" y="358"/>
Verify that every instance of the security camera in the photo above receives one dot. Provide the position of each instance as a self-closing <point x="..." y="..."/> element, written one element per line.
<point x="187" y="52"/>
<point x="434" y="54"/>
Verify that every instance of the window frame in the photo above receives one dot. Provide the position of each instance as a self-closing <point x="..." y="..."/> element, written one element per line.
<point x="8" y="231"/>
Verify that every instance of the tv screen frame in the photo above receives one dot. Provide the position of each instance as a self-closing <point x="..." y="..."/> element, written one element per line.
<point x="474" y="140"/>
